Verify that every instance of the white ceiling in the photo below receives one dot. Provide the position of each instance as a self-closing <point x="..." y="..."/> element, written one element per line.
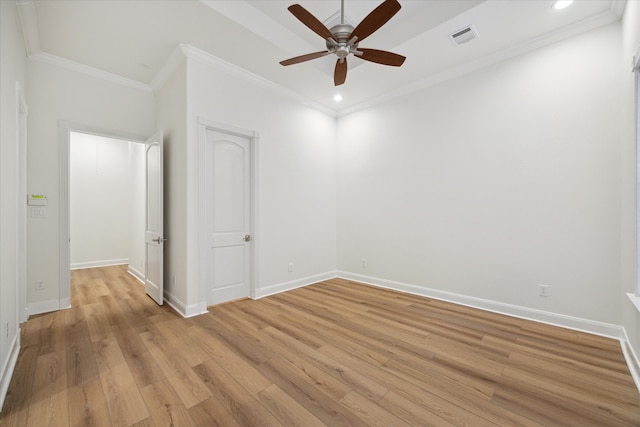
<point x="134" y="39"/>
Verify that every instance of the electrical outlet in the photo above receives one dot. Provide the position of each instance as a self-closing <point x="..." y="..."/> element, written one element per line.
<point x="363" y="263"/>
<point x="39" y="285"/>
<point x="543" y="290"/>
<point x="290" y="267"/>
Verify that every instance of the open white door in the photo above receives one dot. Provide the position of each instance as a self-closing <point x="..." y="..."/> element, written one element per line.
<point x="154" y="253"/>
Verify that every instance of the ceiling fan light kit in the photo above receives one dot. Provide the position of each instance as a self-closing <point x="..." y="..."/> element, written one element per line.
<point x="343" y="39"/>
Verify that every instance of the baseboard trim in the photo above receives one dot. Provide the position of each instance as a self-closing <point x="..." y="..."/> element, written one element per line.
<point x="630" y="356"/>
<point x="9" y="367"/>
<point x="575" y="323"/>
<point x="94" y="264"/>
<point x="182" y="309"/>
<point x="135" y="273"/>
<point x="47" y="306"/>
<point x="293" y="284"/>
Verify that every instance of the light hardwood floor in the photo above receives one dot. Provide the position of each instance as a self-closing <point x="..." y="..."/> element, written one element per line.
<point x="332" y="354"/>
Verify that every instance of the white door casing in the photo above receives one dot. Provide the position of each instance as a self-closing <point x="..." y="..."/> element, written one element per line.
<point x="64" y="136"/>
<point x="21" y="208"/>
<point x="154" y="239"/>
<point x="227" y="216"/>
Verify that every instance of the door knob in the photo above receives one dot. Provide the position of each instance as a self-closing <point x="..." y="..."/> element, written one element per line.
<point x="159" y="240"/>
<point x="247" y="237"/>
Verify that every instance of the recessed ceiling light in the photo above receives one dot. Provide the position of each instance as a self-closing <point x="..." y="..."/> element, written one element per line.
<point x="561" y="4"/>
<point x="337" y="97"/>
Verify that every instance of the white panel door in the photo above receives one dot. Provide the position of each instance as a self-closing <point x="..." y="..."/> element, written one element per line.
<point x="154" y="253"/>
<point x="228" y="210"/>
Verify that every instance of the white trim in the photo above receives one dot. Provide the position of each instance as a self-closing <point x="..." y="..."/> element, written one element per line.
<point x="9" y="368"/>
<point x="64" y="211"/>
<point x="263" y="25"/>
<point x="569" y="322"/>
<point x="617" y="7"/>
<point x="47" y="306"/>
<point x="29" y="24"/>
<point x="64" y="235"/>
<point x="200" y="244"/>
<point x="170" y="66"/>
<point x="56" y="61"/>
<point x="186" y="51"/>
<point x="207" y="59"/>
<point x="635" y="300"/>
<point x="182" y="309"/>
<point x="555" y="319"/>
<point x="294" y="284"/>
<point x="22" y="112"/>
<point x="630" y="356"/>
<point x="255" y="212"/>
<point x="104" y="263"/>
<point x="636" y="119"/>
<point x="604" y="18"/>
<point x="135" y="273"/>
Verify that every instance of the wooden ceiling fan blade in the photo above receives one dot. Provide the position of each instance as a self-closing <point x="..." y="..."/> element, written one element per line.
<point x="340" y="73"/>
<point x="381" y="57"/>
<point x="303" y="58"/>
<point x="376" y="19"/>
<point x="310" y="21"/>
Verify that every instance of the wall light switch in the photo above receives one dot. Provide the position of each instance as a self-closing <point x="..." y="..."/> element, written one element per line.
<point x="38" y="212"/>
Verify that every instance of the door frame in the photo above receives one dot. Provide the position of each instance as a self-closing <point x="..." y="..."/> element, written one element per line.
<point x="154" y="290"/>
<point x="64" y="215"/>
<point x="253" y="137"/>
<point x="22" y="117"/>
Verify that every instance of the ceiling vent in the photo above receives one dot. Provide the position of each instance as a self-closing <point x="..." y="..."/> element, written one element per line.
<point x="464" y="35"/>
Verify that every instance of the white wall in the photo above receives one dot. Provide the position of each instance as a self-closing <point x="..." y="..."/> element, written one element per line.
<point x="297" y="211"/>
<point x="56" y="93"/>
<point x="495" y="182"/>
<point x="100" y="200"/>
<point x="171" y="110"/>
<point x="297" y="170"/>
<point x="630" y="45"/>
<point x="12" y="70"/>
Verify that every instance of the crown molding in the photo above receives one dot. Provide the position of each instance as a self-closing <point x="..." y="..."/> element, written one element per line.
<point x="57" y="61"/>
<point x="599" y="20"/>
<point x="170" y="66"/>
<point x="617" y="7"/>
<point x="29" y="24"/>
<point x="260" y="24"/>
<point x="206" y="58"/>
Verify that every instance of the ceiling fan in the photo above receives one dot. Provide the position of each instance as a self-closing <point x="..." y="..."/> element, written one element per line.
<point x="343" y="39"/>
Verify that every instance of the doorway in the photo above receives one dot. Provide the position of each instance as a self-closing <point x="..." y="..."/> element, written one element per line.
<point x="106" y="198"/>
<point x="152" y="177"/>
<point x="227" y="198"/>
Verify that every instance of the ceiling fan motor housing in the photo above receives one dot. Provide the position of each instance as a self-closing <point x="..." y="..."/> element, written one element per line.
<point x="342" y="48"/>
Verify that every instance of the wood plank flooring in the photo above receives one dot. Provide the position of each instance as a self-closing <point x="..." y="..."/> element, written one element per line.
<point x="333" y="354"/>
